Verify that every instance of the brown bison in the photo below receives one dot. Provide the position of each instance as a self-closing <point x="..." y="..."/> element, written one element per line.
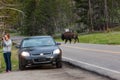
<point x="69" y="36"/>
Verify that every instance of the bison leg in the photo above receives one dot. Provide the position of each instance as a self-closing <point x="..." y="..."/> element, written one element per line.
<point x="76" y="40"/>
<point x="70" y="41"/>
<point x="66" y="41"/>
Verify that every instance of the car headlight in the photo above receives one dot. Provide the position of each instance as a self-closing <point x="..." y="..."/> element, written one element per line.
<point x="25" y="54"/>
<point x="56" y="51"/>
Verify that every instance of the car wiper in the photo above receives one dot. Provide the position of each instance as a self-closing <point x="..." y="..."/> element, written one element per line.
<point x="44" y="45"/>
<point x="28" y="47"/>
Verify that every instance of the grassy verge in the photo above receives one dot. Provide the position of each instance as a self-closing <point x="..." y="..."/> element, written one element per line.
<point x="14" y="59"/>
<point x="99" y="38"/>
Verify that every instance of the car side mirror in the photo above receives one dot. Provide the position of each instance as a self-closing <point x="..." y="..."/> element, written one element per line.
<point x="17" y="46"/>
<point x="58" y="43"/>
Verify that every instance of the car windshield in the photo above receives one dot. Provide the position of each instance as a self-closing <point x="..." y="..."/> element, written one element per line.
<point x="35" y="42"/>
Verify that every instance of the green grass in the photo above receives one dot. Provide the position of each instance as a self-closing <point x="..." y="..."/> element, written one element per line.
<point x="14" y="59"/>
<point x="99" y="38"/>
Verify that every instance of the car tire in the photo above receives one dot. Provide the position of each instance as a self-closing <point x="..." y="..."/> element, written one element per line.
<point x="59" y="64"/>
<point x="21" y="67"/>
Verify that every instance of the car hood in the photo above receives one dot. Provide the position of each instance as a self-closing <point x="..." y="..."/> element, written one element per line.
<point x="34" y="50"/>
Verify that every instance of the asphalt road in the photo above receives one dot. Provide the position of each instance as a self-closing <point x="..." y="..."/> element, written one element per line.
<point x="103" y="59"/>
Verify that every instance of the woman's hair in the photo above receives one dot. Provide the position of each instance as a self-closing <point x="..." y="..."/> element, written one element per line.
<point x="8" y="35"/>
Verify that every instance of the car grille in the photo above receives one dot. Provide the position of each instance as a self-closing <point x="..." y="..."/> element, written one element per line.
<point x="41" y="53"/>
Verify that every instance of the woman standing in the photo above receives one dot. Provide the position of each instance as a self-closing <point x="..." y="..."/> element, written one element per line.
<point x="7" y="45"/>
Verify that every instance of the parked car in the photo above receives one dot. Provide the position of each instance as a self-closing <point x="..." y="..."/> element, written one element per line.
<point x="39" y="50"/>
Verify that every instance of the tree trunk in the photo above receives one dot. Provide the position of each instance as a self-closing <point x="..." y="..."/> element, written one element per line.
<point x="106" y="15"/>
<point x="90" y="16"/>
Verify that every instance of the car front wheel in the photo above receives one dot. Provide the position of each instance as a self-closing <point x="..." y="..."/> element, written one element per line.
<point x="59" y="64"/>
<point x="21" y="67"/>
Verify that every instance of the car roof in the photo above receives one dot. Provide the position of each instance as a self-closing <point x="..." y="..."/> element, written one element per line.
<point x="38" y="37"/>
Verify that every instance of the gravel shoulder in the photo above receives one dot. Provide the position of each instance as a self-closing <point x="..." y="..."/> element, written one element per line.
<point x="49" y="73"/>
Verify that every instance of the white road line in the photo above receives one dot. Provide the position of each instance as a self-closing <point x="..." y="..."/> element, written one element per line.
<point x="92" y="65"/>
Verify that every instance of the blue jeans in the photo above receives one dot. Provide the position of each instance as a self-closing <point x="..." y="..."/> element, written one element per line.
<point x="7" y="58"/>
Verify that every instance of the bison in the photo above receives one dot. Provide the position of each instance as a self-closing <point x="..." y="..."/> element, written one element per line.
<point x="69" y="36"/>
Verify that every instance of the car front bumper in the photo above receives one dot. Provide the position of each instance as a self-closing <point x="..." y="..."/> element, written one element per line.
<point x="29" y="61"/>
